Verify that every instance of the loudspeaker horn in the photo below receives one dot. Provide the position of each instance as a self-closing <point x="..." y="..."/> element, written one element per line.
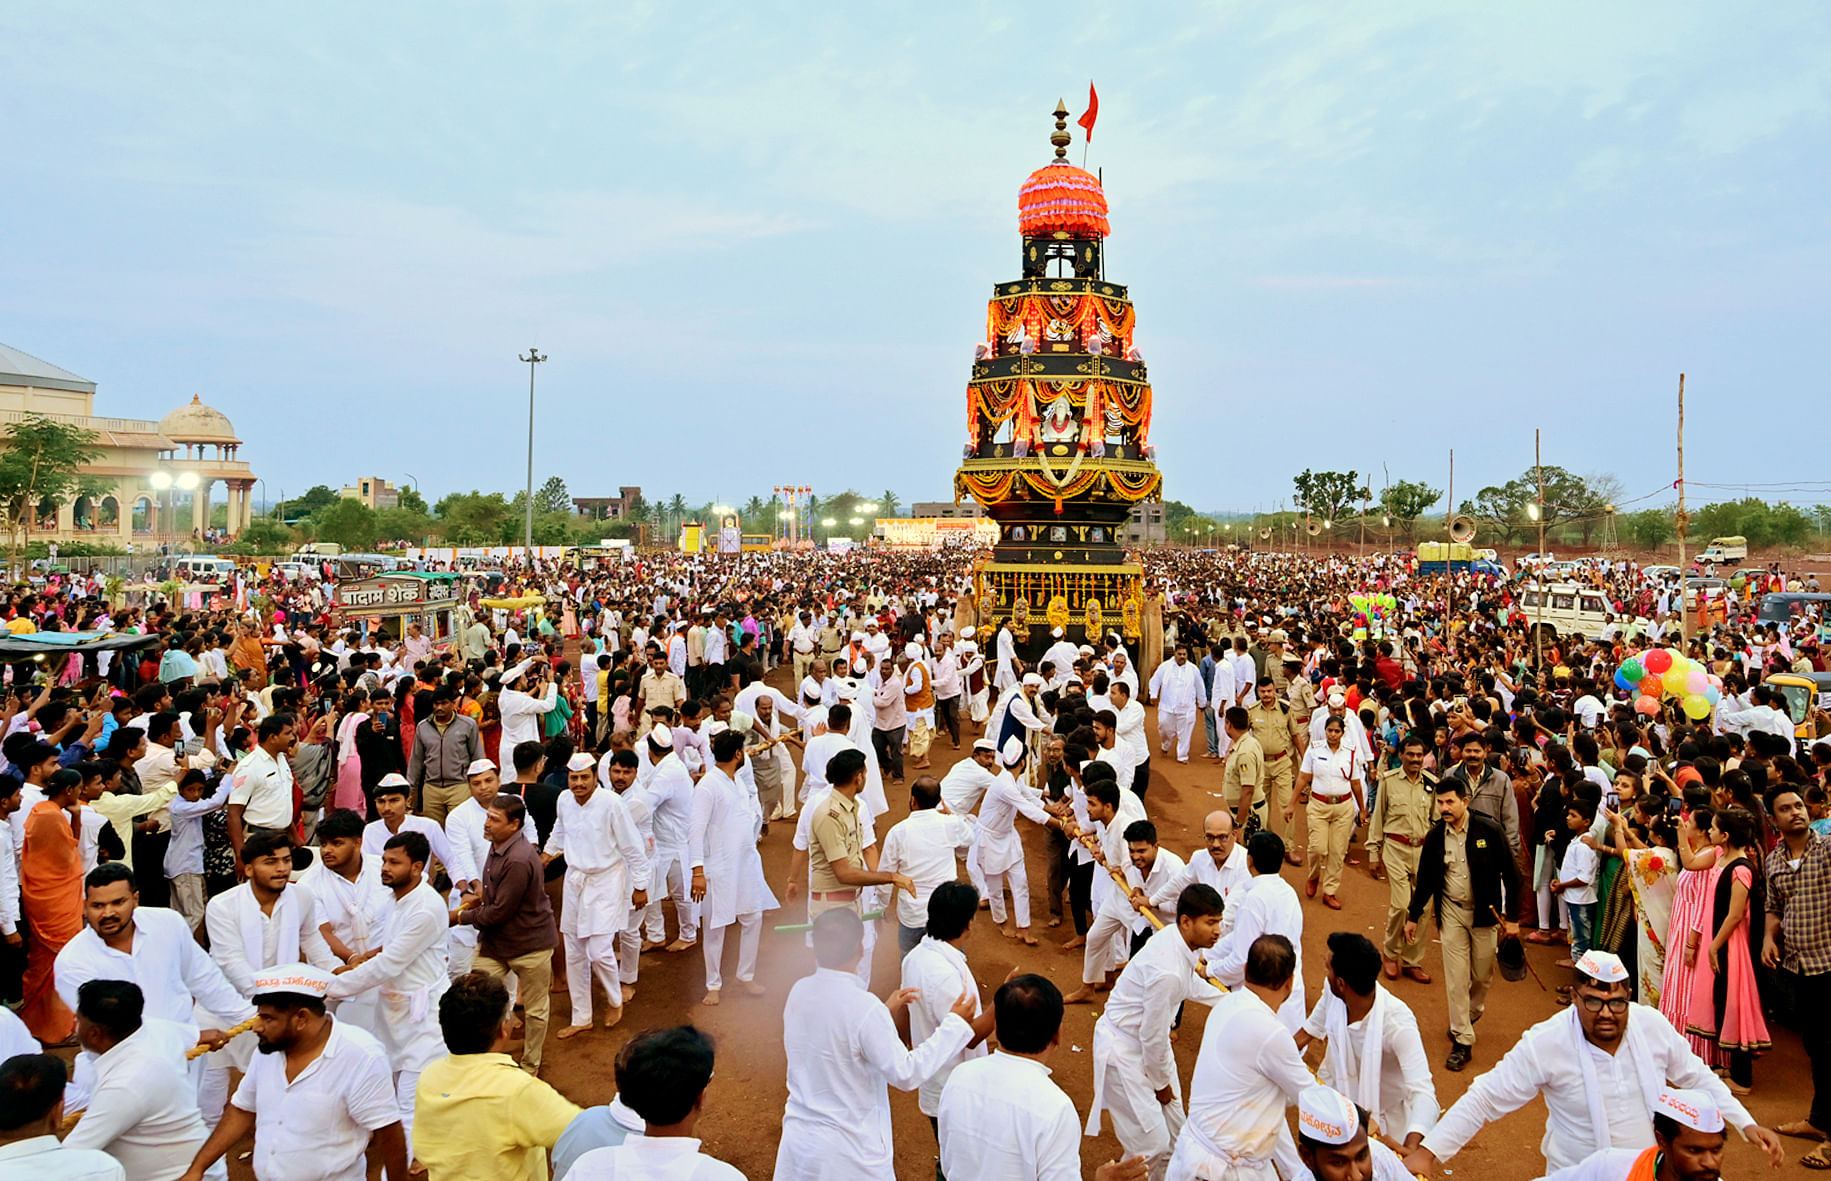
<point x="1462" y="529"/>
<point x="1313" y="528"/>
<point x="1265" y="534"/>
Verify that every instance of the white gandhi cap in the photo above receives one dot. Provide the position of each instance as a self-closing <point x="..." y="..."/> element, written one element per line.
<point x="580" y="762"/>
<point x="1693" y="1109"/>
<point x="300" y="979"/>
<point x="478" y="767"/>
<point x="1604" y="967"/>
<point x="1326" y="1116"/>
<point x="1013" y="751"/>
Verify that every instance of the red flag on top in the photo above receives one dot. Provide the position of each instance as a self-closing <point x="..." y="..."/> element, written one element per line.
<point x="1093" y="112"/>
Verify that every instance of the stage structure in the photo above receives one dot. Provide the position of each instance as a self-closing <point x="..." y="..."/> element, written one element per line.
<point x="1058" y="419"/>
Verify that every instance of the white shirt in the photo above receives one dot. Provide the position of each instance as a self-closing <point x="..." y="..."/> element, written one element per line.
<point x="1178" y="688"/>
<point x="263" y="786"/>
<point x="9" y="883"/>
<point x="1353" y="735"/>
<point x="1131" y="730"/>
<point x="410" y="975"/>
<point x="1246" y="1073"/>
<point x="1226" y="879"/>
<point x="1608" y="1164"/>
<point x="1542" y="1063"/>
<point x="1407" y="1097"/>
<point x="15" y="1038"/>
<point x="843" y="1054"/>
<point x="184" y="852"/>
<point x="1222" y="691"/>
<point x="288" y="934"/>
<point x="939" y="972"/>
<point x="925" y="846"/>
<point x="1111" y="835"/>
<point x="375" y="838"/>
<point x="965" y="785"/>
<point x="42" y="1158"/>
<point x="607" y="861"/>
<point x="1144" y="1000"/>
<point x="639" y="1158"/>
<point x="1268" y="906"/>
<point x="317" y="1127"/>
<point x="670" y="792"/>
<point x="521" y="713"/>
<point x="470" y="849"/>
<point x="1004" y="1119"/>
<point x="1333" y="773"/>
<point x="1120" y="757"/>
<point x="1000" y="848"/>
<point x="1166" y="866"/>
<point x="143" y="1109"/>
<point x="723" y="842"/>
<point x="173" y="972"/>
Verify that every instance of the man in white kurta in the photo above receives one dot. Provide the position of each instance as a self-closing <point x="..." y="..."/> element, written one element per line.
<point x="1268" y="906"/>
<point x="522" y="709"/>
<point x="1181" y="696"/>
<point x="1111" y="812"/>
<point x="1222" y="866"/>
<point x="607" y="870"/>
<point x="1005" y="653"/>
<point x="155" y="949"/>
<point x="142" y="1107"/>
<point x="1598" y="1072"/>
<point x="728" y="880"/>
<point x="1375" y="1054"/>
<point x="1134" y="1064"/>
<point x="470" y="851"/>
<point x="963" y="787"/>
<point x="937" y="971"/>
<point x="1001" y="850"/>
<point x="265" y="921"/>
<point x="1246" y="1073"/>
<point x="843" y="1056"/>
<point x="1002" y="1116"/>
<point x="670" y="796"/>
<point x="353" y="904"/>
<point x="408" y="972"/>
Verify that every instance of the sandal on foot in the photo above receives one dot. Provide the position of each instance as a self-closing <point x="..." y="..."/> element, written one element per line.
<point x="1802" y="1130"/>
<point x="1819" y="1158"/>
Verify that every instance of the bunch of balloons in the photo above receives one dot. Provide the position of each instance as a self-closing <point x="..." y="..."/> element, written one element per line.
<point x="1666" y="672"/>
<point x="1371" y="611"/>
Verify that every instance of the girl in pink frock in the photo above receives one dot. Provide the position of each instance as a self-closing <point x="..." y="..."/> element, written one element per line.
<point x="1690" y="904"/>
<point x="1725" y="1006"/>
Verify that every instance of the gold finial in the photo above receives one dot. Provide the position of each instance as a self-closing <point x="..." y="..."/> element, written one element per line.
<point x="1060" y="137"/>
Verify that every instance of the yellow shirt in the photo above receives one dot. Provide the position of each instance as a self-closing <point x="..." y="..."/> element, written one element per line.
<point x="481" y="1115"/>
<point x="21" y="626"/>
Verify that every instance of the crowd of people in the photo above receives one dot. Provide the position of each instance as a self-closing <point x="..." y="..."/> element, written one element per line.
<point x="265" y="837"/>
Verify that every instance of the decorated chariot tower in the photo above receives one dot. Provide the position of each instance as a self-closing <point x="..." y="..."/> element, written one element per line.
<point x="1058" y="419"/>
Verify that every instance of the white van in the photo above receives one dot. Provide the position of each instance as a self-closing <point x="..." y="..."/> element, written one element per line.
<point x="1568" y="608"/>
<point x="203" y="568"/>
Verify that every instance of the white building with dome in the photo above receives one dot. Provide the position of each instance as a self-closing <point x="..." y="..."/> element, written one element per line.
<point x="159" y="478"/>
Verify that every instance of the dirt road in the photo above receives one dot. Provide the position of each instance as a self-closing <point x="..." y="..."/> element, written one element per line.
<point x="745" y="1105"/>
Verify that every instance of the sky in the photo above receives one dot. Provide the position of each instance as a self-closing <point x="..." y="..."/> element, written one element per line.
<point x="756" y="240"/>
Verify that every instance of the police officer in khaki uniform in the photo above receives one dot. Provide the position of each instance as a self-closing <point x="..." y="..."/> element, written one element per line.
<point x="1273" y="662"/>
<point x="1281" y="736"/>
<point x="1243" y="781"/>
<point x="838" y="868"/>
<point x="1403" y="811"/>
<point x="1297" y="689"/>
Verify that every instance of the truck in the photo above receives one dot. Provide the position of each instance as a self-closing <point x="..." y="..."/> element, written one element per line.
<point x="1723" y="550"/>
<point x="1436" y="557"/>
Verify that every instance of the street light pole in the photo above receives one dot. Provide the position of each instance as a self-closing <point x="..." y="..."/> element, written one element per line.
<point x="533" y="358"/>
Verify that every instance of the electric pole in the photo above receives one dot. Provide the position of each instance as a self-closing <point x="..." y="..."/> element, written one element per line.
<point x="533" y="358"/>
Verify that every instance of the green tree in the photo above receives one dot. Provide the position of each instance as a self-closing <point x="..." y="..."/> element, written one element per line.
<point x="413" y="502"/>
<point x="473" y="518"/>
<point x="402" y="524"/>
<point x="1328" y="494"/>
<point x="350" y="523"/>
<point x="1406" y="501"/>
<point x="317" y="497"/>
<point x="42" y="458"/>
<point x="754" y="512"/>
<point x="1650" y="528"/>
<point x="552" y="497"/>
<point x="888" y="503"/>
<point x="1499" y="507"/>
<point x="264" y="535"/>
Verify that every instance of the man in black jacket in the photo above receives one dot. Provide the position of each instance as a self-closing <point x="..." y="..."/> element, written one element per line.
<point x="1467" y="873"/>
